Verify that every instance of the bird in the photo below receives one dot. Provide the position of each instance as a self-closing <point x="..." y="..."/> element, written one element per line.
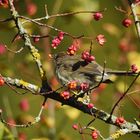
<point x="73" y="68"/>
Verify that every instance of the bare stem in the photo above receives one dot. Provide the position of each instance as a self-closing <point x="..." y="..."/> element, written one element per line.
<point x="125" y="93"/>
<point x="27" y="42"/>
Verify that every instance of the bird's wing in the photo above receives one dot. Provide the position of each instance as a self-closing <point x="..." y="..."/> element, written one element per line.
<point x="87" y="72"/>
<point x="90" y="68"/>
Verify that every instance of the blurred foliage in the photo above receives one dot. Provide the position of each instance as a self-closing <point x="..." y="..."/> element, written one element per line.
<point x="56" y="122"/>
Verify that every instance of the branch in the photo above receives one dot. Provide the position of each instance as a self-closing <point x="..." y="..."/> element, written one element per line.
<point x="118" y="134"/>
<point x="67" y="14"/>
<point x="100" y="114"/>
<point x="34" y="89"/>
<point x="27" y="42"/>
<point x="136" y="19"/>
<point x="53" y="28"/>
<point x="116" y="104"/>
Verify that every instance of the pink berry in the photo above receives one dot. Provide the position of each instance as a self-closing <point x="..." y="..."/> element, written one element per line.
<point x="75" y="126"/>
<point x="124" y="46"/>
<point x="31" y="9"/>
<point x="61" y="35"/>
<point x="127" y="22"/>
<point x="4" y="3"/>
<point x="94" y="135"/>
<point x="84" y="86"/>
<point x="65" y="94"/>
<point x="36" y="39"/>
<point x="2" y="49"/>
<point x="91" y="58"/>
<point x="120" y="120"/>
<point x="72" y="49"/>
<point x="11" y="122"/>
<point x="101" y="39"/>
<point x="22" y="136"/>
<point x="90" y="105"/>
<point x="97" y="16"/>
<point x="137" y="1"/>
<point x="134" y="68"/>
<point x="57" y="40"/>
<point x="87" y="57"/>
<point x="24" y="105"/>
<point x="1" y="81"/>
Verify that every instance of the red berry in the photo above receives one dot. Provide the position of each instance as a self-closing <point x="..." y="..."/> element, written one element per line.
<point x="75" y="126"/>
<point x="4" y="3"/>
<point x="61" y="35"/>
<point x="11" y="122"/>
<point x="57" y="40"/>
<point x="91" y="58"/>
<point x="24" y="105"/>
<point x="65" y="94"/>
<point x="101" y="39"/>
<point x="31" y="9"/>
<point x="97" y="16"/>
<point x="94" y="135"/>
<point x="72" y="49"/>
<point x="22" y="136"/>
<point x="124" y="46"/>
<point x="1" y="81"/>
<point x="84" y="86"/>
<point x="120" y="120"/>
<point x="36" y="39"/>
<point x="134" y="68"/>
<point x="90" y="105"/>
<point x="87" y="57"/>
<point x="137" y="1"/>
<point x="2" y="48"/>
<point x="127" y="22"/>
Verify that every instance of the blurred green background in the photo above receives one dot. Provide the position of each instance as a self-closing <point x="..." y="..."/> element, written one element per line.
<point x="120" y="51"/>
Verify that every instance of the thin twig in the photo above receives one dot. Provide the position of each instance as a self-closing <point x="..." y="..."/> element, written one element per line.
<point x="14" y="89"/>
<point x="121" y="10"/>
<point x="125" y="93"/>
<point x="53" y="28"/>
<point x="28" y="124"/>
<point x="66" y="14"/>
<point x="18" y="51"/>
<point x="39" y="36"/>
<point x="5" y="20"/>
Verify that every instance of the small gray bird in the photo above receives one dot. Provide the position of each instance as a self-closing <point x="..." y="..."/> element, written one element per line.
<point x="74" y="68"/>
